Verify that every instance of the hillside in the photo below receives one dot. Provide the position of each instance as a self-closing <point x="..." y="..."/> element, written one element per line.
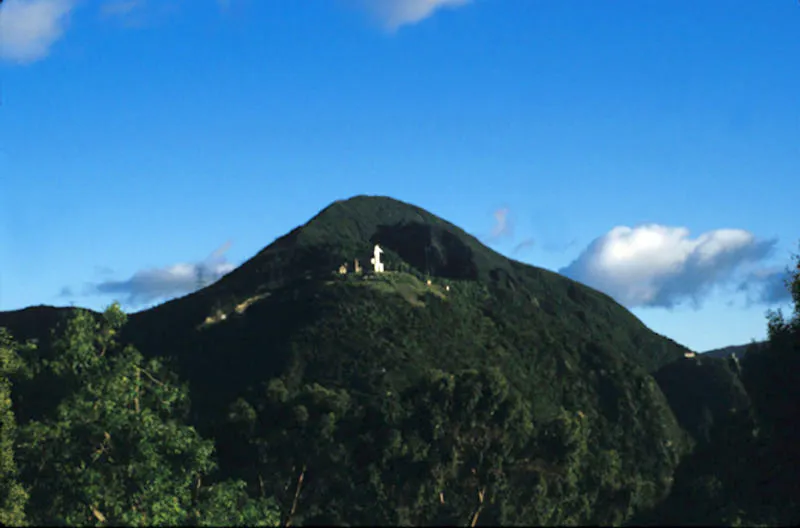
<point x="419" y="242"/>
<point x="286" y="321"/>
<point x="284" y="296"/>
<point x="738" y="350"/>
<point x="742" y="415"/>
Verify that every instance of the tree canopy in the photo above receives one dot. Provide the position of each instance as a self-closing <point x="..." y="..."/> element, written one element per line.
<point x="460" y="388"/>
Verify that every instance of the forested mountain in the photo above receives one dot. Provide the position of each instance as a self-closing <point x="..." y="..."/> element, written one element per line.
<point x="457" y="387"/>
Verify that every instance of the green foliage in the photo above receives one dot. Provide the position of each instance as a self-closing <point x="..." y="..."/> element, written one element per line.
<point x="116" y="449"/>
<point x="516" y="396"/>
<point x="12" y="495"/>
<point x="228" y="504"/>
<point x="782" y="330"/>
<point x="449" y="448"/>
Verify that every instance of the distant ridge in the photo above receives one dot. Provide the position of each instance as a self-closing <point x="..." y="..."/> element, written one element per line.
<point x="738" y="350"/>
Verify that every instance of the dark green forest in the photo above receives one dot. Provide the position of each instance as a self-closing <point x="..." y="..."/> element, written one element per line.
<point x="457" y="388"/>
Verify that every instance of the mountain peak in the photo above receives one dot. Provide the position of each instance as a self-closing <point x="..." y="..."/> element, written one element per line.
<point x="408" y="233"/>
<point x="418" y="242"/>
<point x="348" y="229"/>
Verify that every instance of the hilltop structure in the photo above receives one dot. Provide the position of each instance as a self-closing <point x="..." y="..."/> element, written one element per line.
<point x="378" y="266"/>
<point x="376" y="259"/>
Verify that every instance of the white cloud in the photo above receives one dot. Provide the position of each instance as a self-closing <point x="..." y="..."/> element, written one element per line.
<point x="28" y="28"/>
<point x="146" y="286"/>
<point x="501" y="224"/>
<point x="767" y="286"/>
<point x="654" y="265"/>
<point x="120" y="7"/>
<point x="525" y="245"/>
<point x="393" y="14"/>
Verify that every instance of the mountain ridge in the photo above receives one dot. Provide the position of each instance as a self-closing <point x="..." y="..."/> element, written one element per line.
<point x="384" y="385"/>
<point x="448" y="305"/>
<point x="412" y="238"/>
<point x="415" y="241"/>
<point x="737" y="350"/>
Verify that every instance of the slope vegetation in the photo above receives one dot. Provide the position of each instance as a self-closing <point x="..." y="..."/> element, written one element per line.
<point x="456" y="362"/>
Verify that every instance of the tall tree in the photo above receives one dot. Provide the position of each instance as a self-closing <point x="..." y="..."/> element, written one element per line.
<point x="12" y="495"/>
<point x="117" y="449"/>
<point x="772" y="377"/>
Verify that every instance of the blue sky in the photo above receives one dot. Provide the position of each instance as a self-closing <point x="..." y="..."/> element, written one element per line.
<point x="650" y="149"/>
